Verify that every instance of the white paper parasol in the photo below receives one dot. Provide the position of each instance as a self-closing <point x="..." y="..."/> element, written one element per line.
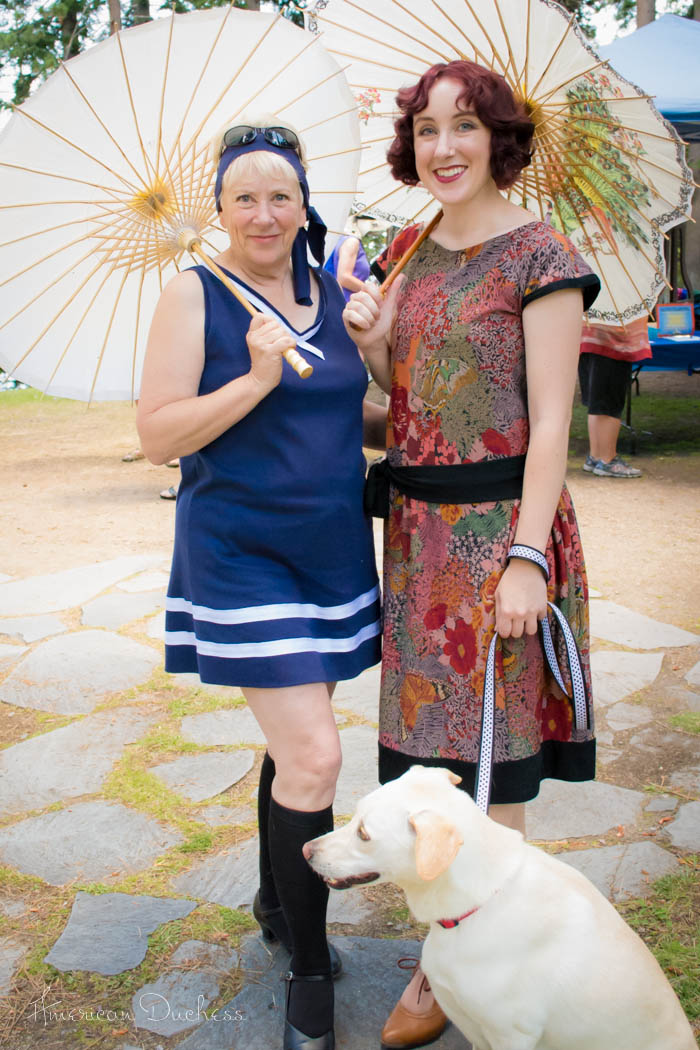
<point x="109" y="160"/>
<point x="608" y="170"/>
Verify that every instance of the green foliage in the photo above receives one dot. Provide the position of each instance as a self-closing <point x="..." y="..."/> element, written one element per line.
<point x="688" y="721"/>
<point x="198" y="842"/>
<point x="36" y="38"/>
<point x="667" y="921"/>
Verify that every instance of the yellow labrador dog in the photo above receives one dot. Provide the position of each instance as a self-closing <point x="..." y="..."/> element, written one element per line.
<point x="523" y="951"/>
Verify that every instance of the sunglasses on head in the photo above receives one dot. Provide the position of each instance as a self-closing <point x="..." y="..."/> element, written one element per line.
<point x="243" y="134"/>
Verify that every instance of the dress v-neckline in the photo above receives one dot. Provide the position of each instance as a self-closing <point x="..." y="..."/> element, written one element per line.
<point x="301" y="332"/>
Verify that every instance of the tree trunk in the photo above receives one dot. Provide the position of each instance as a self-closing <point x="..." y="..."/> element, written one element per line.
<point x="140" y="12"/>
<point x="646" y="12"/>
<point x="69" y="31"/>
<point x="696" y="10"/>
<point x="115" y="16"/>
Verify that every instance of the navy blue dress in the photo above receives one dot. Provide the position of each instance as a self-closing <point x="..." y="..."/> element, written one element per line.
<point x="273" y="579"/>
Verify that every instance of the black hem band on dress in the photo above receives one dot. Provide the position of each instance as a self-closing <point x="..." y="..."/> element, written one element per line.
<point x="486" y="480"/>
<point x="517" y="781"/>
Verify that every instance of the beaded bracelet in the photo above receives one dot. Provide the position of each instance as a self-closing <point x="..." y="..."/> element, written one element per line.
<point x="520" y="550"/>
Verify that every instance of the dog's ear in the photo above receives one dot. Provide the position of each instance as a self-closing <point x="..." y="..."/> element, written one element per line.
<point x="453" y="778"/>
<point x="437" y="843"/>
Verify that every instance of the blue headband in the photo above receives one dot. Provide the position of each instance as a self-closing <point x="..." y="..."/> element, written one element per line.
<point x="316" y="235"/>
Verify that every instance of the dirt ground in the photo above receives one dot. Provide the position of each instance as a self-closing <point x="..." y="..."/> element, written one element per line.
<point x="68" y="499"/>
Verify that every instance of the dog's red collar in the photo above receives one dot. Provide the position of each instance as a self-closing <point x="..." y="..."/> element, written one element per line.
<point x="449" y="924"/>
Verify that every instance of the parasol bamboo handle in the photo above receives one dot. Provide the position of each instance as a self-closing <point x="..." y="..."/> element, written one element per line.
<point x="189" y="240"/>
<point x="409" y="253"/>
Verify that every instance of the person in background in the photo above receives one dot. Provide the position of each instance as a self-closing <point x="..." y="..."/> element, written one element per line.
<point x="604" y="371"/>
<point x="347" y="261"/>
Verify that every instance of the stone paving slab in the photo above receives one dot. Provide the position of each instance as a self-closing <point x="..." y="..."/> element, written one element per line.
<point x="69" y="675"/>
<point x="227" y="816"/>
<point x="661" y="804"/>
<point x="684" y="832"/>
<point x="650" y="740"/>
<point x="615" y="623"/>
<point x="108" y="933"/>
<point x="628" y="716"/>
<point x="63" y="590"/>
<point x="202" y="776"/>
<point x="621" y="872"/>
<point x="689" y="701"/>
<point x="563" y="810"/>
<point x="147" y="581"/>
<point x="156" y="629"/>
<point x="348" y="907"/>
<point x="687" y="779"/>
<point x="178" y="1000"/>
<point x="10" y="955"/>
<point x="91" y="841"/>
<point x="693" y="675"/>
<point x="12" y="908"/>
<point x="32" y="628"/>
<point x="10" y="653"/>
<point x="229" y="879"/>
<point x="617" y="674"/>
<point x="605" y="755"/>
<point x="365" y="994"/>
<point x="67" y="762"/>
<point x="358" y="774"/>
<point x="193" y="681"/>
<point x="174" y="1003"/>
<point x="360" y="695"/>
<point x="227" y="726"/>
<point x="116" y="610"/>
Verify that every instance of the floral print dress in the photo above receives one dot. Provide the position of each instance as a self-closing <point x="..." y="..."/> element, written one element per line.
<point x="459" y="395"/>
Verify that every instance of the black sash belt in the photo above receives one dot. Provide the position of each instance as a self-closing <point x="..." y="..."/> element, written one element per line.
<point x="490" y="479"/>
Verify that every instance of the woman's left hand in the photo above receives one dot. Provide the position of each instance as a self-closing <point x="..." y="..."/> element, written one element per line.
<point x="521" y="599"/>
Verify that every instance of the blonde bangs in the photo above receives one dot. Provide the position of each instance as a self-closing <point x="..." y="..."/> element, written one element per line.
<point x="262" y="164"/>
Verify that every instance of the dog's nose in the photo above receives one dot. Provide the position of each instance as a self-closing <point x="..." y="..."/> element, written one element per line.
<point x="308" y="849"/>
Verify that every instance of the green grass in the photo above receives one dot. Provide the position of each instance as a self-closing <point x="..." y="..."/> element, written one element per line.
<point x="12" y="399"/>
<point x="673" y="420"/>
<point x="688" y="721"/>
<point x="668" y="922"/>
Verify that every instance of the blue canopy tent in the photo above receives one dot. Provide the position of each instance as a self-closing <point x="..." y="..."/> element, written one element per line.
<point x="663" y="59"/>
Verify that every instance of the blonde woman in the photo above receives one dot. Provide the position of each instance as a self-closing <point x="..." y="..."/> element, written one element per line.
<point x="273" y="585"/>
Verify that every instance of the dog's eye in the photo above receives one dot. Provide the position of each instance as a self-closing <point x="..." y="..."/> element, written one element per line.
<point x="362" y="833"/>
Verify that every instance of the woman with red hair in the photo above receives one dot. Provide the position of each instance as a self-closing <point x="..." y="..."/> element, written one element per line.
<point x="477" y="344"/>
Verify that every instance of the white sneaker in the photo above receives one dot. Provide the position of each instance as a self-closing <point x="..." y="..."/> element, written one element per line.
<point x="616" y="468"/>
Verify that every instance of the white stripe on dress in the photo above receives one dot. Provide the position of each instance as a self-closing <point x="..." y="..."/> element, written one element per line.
<point x="300" y="337"/>
<point x="280" y="611"/>
<point x="278" y="647"/>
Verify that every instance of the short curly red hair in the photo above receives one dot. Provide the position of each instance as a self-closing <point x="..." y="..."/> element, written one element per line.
<point x="495" y="106"/>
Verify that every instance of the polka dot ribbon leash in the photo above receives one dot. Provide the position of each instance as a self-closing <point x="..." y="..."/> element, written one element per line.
<point x="578" y="697"/>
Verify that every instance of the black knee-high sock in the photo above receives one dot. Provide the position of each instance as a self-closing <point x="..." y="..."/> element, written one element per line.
<point x="268" y="894"/>
<point x="304" y="899"/>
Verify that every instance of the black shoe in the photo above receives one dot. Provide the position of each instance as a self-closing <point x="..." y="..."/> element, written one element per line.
<point x="293" y="1038"/>
<point x="273" y="926"/>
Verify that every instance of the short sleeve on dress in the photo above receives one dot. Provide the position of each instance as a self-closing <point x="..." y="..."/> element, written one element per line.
<point x="555" y="264"/>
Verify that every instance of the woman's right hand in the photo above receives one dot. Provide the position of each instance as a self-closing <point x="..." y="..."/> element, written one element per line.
<point x="368" y="315"/>
<point x="267" y="340"/>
